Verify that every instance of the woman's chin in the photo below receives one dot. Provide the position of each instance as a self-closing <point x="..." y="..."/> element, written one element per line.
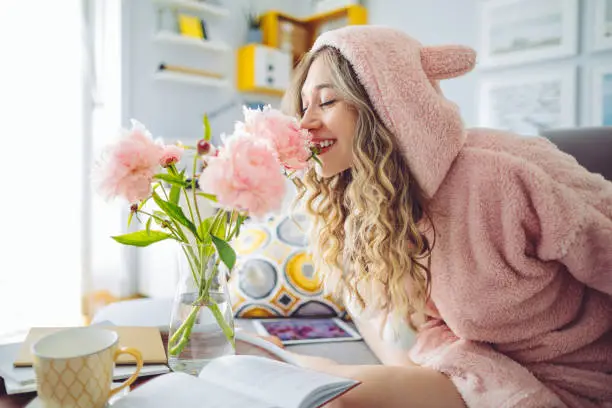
<point x="328" y="171"/>
<point x="323" y="170"/>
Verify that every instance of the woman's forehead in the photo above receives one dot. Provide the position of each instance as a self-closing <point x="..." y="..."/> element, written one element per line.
<point x="318" y="73"/>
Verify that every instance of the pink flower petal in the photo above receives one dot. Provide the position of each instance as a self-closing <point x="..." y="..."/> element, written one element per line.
<point x="245" y="176"/>
<point x="127" y="167"/>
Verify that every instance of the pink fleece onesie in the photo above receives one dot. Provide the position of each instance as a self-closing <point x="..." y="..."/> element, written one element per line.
<point x="522" y="264"/>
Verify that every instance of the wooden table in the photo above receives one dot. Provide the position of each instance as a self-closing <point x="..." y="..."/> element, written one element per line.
<point x="22" y="400"/>
<point x="353" y="352"/>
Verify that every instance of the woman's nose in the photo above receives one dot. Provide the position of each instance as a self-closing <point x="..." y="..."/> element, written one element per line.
<point x="310" y="120"/>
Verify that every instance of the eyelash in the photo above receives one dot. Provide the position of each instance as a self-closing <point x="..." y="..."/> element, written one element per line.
<point x="324" y="104"/>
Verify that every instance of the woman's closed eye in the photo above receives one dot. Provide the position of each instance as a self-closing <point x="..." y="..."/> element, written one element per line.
<point x="321" y="105"/>
<point x="328" y="103"/>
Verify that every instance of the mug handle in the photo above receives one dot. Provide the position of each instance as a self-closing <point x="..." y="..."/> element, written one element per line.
<point x="136" y="354"/>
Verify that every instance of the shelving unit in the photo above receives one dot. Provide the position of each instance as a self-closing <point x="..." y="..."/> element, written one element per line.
<point x="168" y="37"/>
<point x="191" y="79"/>
<point x="201" y="8"/>
<point x="272" y="20"/>
<point x="257" y="69"/>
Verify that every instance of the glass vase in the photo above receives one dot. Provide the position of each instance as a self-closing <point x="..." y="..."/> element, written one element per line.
<point x="202" y="322"/>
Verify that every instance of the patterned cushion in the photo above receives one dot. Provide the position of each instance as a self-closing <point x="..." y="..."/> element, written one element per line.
<point x="274" y="275"/>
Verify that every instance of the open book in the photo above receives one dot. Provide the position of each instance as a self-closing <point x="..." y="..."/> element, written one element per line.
<point x="240" y="381"/>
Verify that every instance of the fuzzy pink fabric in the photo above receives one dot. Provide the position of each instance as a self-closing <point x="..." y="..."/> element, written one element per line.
<point x="522" y="264"/>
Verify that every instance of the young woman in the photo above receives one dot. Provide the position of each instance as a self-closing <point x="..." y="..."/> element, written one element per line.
<point x="496" y="248"/>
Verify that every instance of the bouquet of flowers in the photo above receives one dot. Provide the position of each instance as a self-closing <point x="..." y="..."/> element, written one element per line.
<point x="244" y="177"/>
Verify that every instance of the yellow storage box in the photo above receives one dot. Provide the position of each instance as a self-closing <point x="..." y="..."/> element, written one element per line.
<point x="263" y="69"/>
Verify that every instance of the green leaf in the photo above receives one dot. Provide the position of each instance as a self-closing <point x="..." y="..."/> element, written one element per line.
<point x="207" y="131"/>
<point x="175" y="194"/>
<point x="204" y="229"/>
<point x="148" y="227"/>
<point x="175" y="180"/>
<point x="141" y="238"/>
<point x="226" y="252"/>
<point x="220" y="229"/>
<point x="211" y="197"/>
<point x="175" y="212"/>
<point x="172" y="170"/>
<point x="239" y="223"/>
<point x="160" y="214"/>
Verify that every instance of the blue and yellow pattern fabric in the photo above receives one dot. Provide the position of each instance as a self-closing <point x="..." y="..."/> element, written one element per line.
<point x="274" y="275"/>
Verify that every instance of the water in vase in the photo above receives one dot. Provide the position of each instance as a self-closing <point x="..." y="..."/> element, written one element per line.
<point x="206" y="341"/>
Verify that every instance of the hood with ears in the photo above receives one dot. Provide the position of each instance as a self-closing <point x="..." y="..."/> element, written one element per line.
<point x="401" y="78"/>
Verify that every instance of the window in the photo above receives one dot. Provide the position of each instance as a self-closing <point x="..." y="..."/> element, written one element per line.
<point x="42" y="133"/>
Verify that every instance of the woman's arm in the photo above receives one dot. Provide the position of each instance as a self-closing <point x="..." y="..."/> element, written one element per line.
<point x="574" y="223"/>
<point x="388" y="387"/>
<point x="387" y="352"/>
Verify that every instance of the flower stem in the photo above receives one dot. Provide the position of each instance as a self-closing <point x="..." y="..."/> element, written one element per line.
<point x="198" y="265"/>
<point x="227" y="330"/>
<point x="174" y="232"/>
<point x="194" y="266"/>
<point x="184" y="331"/>
<point x="193" y="188"/>
<point x="189" y="205"/>
<point x="233" y="218"/>
<point x="176" y="346"/>
<point x="204" y="290"/>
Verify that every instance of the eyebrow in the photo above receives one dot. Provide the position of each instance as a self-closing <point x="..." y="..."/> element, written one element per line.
<point x="319" y="87"/>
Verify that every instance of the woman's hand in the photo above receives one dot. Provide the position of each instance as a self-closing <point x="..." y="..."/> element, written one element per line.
<point x="272" y="339"/>
<point x="313" y="362"/>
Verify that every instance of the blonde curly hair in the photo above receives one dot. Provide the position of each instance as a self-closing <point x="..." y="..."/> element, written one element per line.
<point x="364" y="232"/>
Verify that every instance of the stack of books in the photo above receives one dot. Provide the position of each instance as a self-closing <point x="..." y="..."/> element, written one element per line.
<point x="16" y="359"/>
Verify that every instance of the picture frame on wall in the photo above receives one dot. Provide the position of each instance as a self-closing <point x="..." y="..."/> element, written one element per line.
<point x="602" y="37"/>
<point x="529" y="102"/>
<point x="601" y="95"/>
<point x="520" y="31"/>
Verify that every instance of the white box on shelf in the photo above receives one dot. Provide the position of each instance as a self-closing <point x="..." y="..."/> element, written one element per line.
<point x="272" y="68"/>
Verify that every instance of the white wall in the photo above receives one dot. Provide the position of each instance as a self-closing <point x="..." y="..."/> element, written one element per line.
<point x="175" y="110"/>
<point x="436" y="22"/>
<point x="457" y="21"/>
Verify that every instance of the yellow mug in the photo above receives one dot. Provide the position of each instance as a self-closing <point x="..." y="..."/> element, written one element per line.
<point x="74" y="367"/>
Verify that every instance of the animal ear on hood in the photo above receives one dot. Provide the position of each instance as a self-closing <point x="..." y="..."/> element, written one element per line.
<point x="447" y="61"/>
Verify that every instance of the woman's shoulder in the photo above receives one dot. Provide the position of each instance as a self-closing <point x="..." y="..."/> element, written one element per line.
<point x="500" y="144"/>
<point x="492" y="158"/>
<point x="491" y="155"/>
<point x="512" y="170"/>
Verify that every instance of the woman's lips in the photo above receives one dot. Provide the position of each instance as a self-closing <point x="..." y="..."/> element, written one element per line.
<point x="323" y="145"/>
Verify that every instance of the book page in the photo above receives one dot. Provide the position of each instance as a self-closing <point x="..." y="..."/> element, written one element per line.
<point x="185" y="391"/>
<point x="147" y="340"/>
<point x="278" y="383"/>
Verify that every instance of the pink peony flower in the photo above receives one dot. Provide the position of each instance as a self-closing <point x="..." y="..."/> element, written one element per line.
<point x="290" y="142"/>
<point x="170" y="155"/>
<point x="127" y="167"/>
<point x="245" y="176"/>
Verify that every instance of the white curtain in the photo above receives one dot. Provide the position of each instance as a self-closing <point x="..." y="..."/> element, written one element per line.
<point x="109" y="272"/>
<point x="42" y="162"/>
